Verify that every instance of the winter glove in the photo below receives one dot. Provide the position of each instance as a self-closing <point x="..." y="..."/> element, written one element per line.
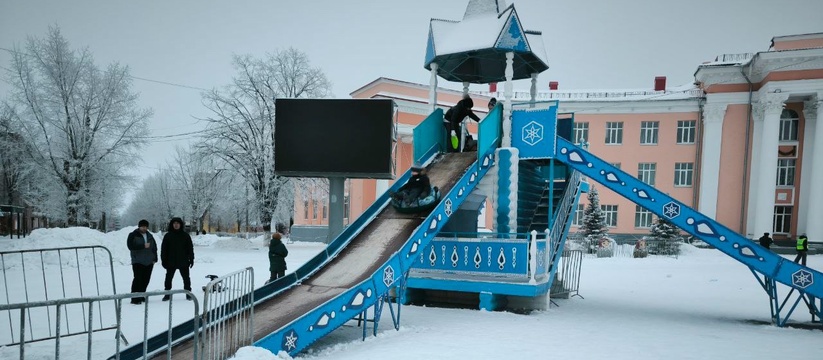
<point x="191" y="264"/>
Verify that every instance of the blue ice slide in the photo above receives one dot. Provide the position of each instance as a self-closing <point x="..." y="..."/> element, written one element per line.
<point x="757" y="258"/>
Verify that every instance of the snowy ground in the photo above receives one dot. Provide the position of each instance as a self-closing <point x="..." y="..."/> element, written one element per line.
<point x="702" y="305"/>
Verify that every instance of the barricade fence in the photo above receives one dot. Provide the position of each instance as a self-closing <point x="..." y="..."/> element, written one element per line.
<point x="567" y="280"/>
<point x="228" y="314"/>
<point x="43" y="275"/>
<point x="21" y="313"/>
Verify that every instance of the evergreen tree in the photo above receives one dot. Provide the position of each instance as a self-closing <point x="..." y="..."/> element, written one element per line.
<point x="665" y="230"/>
<point x="666" y="236"/>
<point x="594" y="222"/>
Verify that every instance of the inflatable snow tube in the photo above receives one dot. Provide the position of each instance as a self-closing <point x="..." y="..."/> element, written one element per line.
<point x="418" y="205"/>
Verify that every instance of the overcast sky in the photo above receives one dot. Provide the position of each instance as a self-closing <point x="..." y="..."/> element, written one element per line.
<point x="590" y="43"/>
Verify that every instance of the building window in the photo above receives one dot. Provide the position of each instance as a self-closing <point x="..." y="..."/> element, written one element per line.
<point x="788" y="125"/>
<point x="683" y="174"/>
<point x="648" y="132"/>
<point x="581" y="132"/>
<point x="646" y="172"/>
<point x="686" y="131"/>
<point x="578" y="215"/>
<point x="614" y="133"/>
<point x="306" y="209"/>
<point x="785" y="172"/>
<point x="642" y="217"/>
<point x="617" y="165"/>
<point x="314" y="209"/>
<point x="782" y="220"/>
<point x="610" y="214"/>
<point x="325" y="211"/>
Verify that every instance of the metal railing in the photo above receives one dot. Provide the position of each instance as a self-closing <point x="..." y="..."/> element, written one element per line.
<point x="51" y="274"/>
<point x="228" y="314"/>
<point x="58" y="307"/>
<point x="567" y="280"/>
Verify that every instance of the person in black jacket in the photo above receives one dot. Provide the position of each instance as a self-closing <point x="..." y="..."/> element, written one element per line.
<point x="143" y="257"/>
<point x="766" y="241"/>
<point x="277" y="257"/>
<point x="416" y="188"/>
<point x="454" y="118"/>
<point x="177" y="254"/>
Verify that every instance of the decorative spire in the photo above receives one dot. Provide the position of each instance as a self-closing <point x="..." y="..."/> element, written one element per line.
<point x="482" y="7"/>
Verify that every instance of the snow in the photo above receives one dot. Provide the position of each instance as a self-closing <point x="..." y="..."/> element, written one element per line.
<point x="701" y="305"/>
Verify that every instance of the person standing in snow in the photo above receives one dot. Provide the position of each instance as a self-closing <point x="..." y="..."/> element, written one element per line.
<point x="277" y="257"/>
<point x="453" y="119"/>
<point x="766" y="241"/>
<point x="177" y="254"/>
<point x="143" y="250"/>
<point x="802" y="248"/>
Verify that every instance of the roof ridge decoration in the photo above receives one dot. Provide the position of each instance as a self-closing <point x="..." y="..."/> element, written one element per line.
<point x="480" y="7"/>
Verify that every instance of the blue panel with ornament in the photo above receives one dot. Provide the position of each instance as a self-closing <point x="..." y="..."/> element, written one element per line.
<point x="701" y="226"/>
<point x="492" y="257"/>
<point x="533" y="132"/>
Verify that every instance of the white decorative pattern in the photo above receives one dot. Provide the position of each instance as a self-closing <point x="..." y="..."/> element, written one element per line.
<point x="802" y="279"/>
<point x="388" y="275"/>
<point x="532" y="133"/>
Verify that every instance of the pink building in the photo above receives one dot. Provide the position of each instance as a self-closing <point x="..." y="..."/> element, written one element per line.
<point x="738" y="145"/>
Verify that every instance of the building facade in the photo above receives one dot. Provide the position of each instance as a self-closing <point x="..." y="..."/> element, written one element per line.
<point x="739" y="144"/>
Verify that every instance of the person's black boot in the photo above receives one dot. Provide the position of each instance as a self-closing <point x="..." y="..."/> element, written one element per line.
<point x="188" y="297"/>
<point x="166" y="297"/>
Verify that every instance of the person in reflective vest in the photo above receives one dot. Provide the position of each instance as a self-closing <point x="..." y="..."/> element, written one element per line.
<point x="802" y="249"/>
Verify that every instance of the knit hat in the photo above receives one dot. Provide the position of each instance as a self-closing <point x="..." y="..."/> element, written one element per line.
<point x="143" y="222"/>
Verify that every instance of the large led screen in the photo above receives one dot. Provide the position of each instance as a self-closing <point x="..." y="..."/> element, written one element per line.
<point x="350" y="138"/>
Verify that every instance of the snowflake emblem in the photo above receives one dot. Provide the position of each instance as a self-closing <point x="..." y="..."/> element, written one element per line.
<point x="802" y="279"/>
<point x="532" y="133"/>
<point x="388" y="275"/>
<point x="448" y="207"/>
<point x="290" y="340"/>
<point x="671" y="210"/>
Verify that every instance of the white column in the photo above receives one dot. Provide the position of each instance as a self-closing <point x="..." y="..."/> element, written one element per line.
<point x="810" y="109"/>
<point x="713" y="115"/>
<point x="433" y="88"/>
<point x="772" y="105"/>
<point x="533" y="90"/>
<point x="465" y="88"/>
<point x="751" y="204"/>
<point x="814" y="217"/>
<point x="507" y="104"/>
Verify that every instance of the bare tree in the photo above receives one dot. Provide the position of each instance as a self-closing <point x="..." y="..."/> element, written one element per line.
<point x="154" y="201"/>
<point x="241" y="130"/>
<point x="13" y="164"/>
<point x="200" y="183"/>
<point x="75" y="116"/>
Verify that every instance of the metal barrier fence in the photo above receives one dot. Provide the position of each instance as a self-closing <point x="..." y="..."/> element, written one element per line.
<point x="567" y="279"/>
<point x="51" y="274"/>
<point x="89" y="303"/>
<point x="228" y="314"/>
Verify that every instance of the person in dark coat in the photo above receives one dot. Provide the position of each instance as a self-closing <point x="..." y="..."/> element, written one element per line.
<point x="454" y="118"/>
<point x="766" y="241"/>
<point x="177" y="254"/>
<point x="143" y="250"/>
<point x="277" y="257"/>
<point x="418" y="187"/>
<point x="802" y="248"/>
